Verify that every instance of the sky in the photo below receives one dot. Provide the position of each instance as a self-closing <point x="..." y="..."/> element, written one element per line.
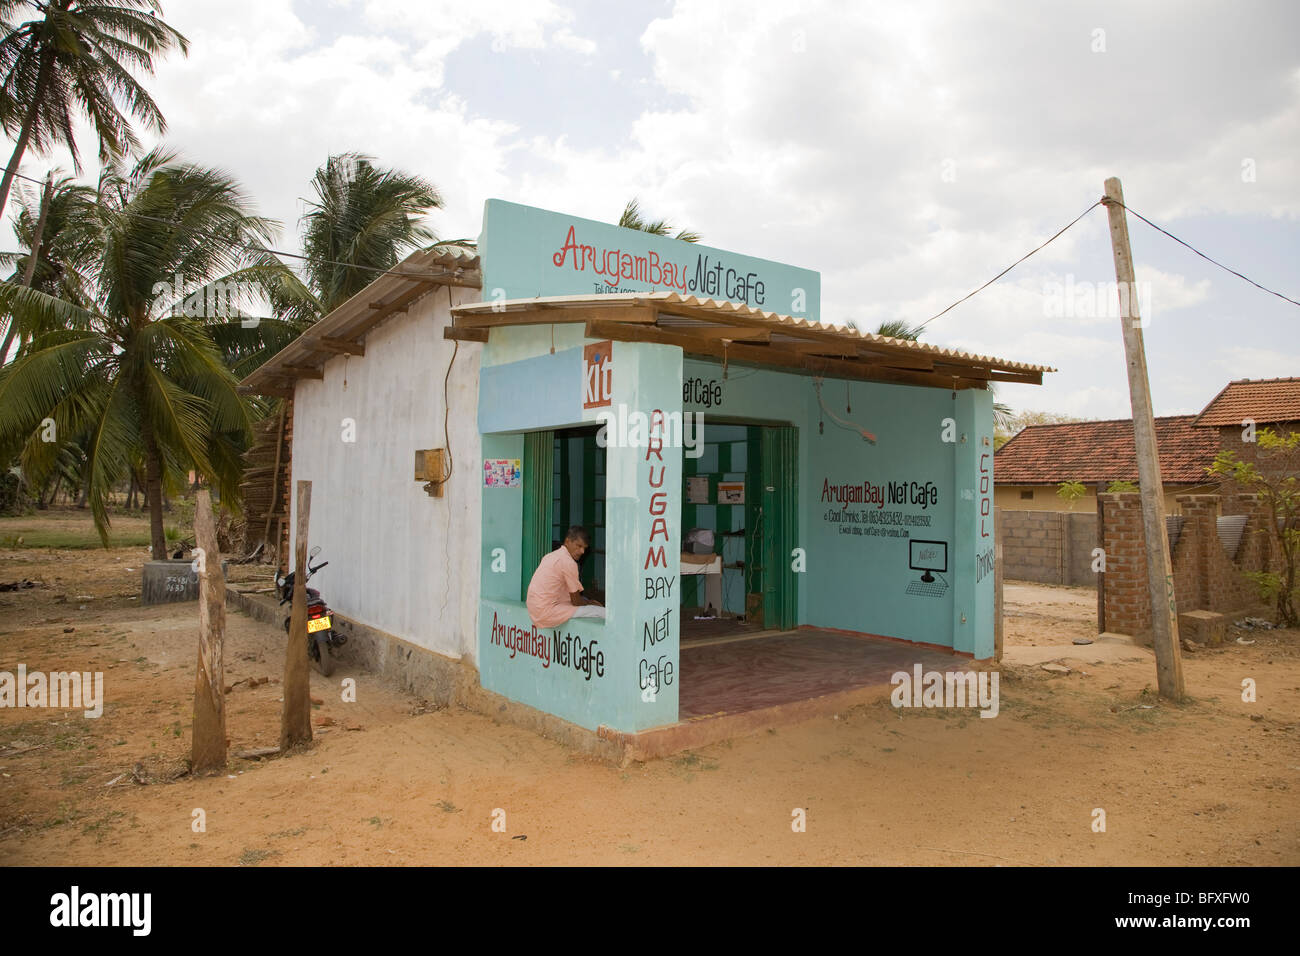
<point x="909" y="152"/>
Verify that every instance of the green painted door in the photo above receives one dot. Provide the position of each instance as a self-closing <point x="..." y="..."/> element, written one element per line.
<point x="780" y="520"/>
<point x="539" y="478"/>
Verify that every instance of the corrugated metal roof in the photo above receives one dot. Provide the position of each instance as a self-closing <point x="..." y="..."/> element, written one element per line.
<point x="675" y="312"/>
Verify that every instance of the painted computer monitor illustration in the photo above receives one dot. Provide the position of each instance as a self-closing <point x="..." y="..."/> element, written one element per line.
<point x="928" y="556"/>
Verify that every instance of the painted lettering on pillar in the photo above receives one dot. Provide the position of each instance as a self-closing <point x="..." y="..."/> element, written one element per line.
<point x="655" y="670"/>
<point x="655" y="630"/>
<point x="658" y="499"/>
<point x="986" y="480"/>
<point x="598" y="375"/>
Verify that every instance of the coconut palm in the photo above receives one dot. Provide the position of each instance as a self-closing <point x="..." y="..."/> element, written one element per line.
<point x="363" y="218"/>
<point x="77" y="60"/>
<point x="65" y="252"/>
<point x="136" y="369"/>
<point x="633" y="219"/>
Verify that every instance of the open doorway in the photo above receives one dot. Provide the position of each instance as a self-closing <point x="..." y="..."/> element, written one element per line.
<point x="737" y="523"/>
<point x="578" y="498"/>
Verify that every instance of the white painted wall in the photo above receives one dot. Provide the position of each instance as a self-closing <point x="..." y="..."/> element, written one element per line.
<point x="400" y="560"/>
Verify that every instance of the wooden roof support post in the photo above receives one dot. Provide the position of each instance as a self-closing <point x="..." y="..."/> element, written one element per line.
<point x="1160" y="578"/>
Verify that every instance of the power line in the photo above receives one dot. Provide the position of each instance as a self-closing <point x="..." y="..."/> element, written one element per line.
<point x="442" y="275"/>
<point x="1010" y="267"/>
<point x="1201" y="254"/>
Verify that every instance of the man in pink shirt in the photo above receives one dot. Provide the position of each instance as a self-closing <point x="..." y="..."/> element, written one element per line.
<point x="555" y="593"/>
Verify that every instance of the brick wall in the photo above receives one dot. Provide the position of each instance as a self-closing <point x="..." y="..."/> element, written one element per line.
<point x="1205" y="577"/>
<point x="1049" y="547"/>
<point x="1270" y="463"/>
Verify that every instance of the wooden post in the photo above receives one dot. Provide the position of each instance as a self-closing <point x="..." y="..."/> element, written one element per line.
<point x="1160" y="579"/>
<point x="295" y="719"/>
<point x="208" y="747"/>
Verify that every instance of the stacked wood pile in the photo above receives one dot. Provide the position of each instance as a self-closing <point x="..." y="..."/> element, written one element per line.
<point x="266" y="485"/>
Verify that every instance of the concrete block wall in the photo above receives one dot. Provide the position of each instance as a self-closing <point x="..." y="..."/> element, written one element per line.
<point x="1049" y="547"/>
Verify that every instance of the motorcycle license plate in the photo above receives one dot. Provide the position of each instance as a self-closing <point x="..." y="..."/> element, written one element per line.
<point x="318" y="624"/>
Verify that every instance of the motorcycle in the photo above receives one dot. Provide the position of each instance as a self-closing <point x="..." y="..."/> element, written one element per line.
<point x="322" y="639"/>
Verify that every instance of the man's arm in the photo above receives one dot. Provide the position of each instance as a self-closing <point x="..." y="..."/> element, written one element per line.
<point x="578" y="600"/>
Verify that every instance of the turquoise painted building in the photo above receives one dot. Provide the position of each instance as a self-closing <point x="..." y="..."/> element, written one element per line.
<point x="645" y="387"/>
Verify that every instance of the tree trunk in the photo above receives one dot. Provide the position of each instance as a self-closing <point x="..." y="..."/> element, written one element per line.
<point x="43" y="504"/>
<point x="33" y="255"/>
<point x="208" y="747"/>
<point x="153" y="492"/>
<point x="25" y="133"/>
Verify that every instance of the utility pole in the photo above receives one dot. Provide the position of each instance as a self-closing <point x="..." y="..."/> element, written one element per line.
<point x="1160" y="579"/>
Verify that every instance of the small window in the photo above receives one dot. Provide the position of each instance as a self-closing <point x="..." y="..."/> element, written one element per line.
<point x="1027" y="495"/>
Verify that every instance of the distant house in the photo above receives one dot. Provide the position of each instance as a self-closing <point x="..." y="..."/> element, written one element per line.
<point x="1244" y="407"/>
<point x="1028" y="469"/>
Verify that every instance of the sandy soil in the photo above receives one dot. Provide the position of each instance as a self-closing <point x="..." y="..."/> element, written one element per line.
<point x="391" y="781"/>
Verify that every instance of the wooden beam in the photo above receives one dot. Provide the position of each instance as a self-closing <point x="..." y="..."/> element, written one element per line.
<point x="947" y="368"/>
<point x="839" y="350"/>
<point x="916" y="361"/>
<point x="634" y="315"/>
<point x="734" y="333"/>
<point x="399" y="304"/>
<point x="303" y="371"/>
<point x="465" y="335"/>
<point x="1026" y="378"/>
<point x="338" y="346"/>
<point x="468" y="279"/>
<point x="272" y="390"/>
<point x="770" y="355"/>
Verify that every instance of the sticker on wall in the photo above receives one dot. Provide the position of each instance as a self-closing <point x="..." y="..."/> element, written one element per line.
<point x="731" y="492"/>
<point x="502" y="472"/>
<point x="598" y="375"/>
<point x="697" y="490"/>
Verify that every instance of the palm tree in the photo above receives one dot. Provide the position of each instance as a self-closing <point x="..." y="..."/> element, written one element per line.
<point x="900" y="329"/>
<point x="136" y="369"/>
<point x="77" y="60"/>
<point x="632" y="219"/>
<point x="66" y="247"/>
<point x="363" y="219"/>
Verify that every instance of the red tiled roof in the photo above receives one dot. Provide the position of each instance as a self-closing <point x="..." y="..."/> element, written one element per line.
<point x="1263" y="400"/>
<point x="1103" y="451"/>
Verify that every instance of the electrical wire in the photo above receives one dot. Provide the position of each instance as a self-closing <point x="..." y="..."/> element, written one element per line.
<point x="848" y="426"/>
<point x="1012" y="266"/>
<point x="1200" y="253"/>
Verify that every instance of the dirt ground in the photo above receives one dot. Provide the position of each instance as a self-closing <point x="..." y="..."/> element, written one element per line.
<point x="390" y="780"/>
